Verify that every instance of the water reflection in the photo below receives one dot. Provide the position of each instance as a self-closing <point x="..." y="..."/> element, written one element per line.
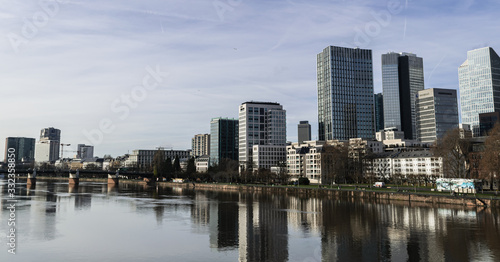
<point x="229" y="226"/>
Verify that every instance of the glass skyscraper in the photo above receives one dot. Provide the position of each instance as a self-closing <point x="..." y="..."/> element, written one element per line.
<point x="479" y="81"/>
<point x="402" y="78"/>
<point x="223" y="139"/>
<point x="345" y="93"/>
<point x="437" y="112"/>
<point x="24" y="149"/>
<point x="379" y="111"/>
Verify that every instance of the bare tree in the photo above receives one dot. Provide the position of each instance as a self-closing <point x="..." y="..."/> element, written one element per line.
<point x="490" y="162"/>
<point x="334" y="163"/>
<point x="454" y="152"/>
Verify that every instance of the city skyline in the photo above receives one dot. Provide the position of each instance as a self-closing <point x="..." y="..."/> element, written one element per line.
<point x="77" y="68"/>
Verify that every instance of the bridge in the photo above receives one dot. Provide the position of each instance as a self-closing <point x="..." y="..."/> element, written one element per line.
<point x="74" y="175"/>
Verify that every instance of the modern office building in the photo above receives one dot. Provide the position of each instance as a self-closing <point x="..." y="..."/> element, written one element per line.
<point x="437" y="112"/>
<point x="261" y="124"/>
<point x="144" y="158"/>
<point x="24" y="149"/>
<point x="487" y="121"/>
<point x="402" y="78"/>
<point x="47" y="148"/>
<point x="85" y="152"/>
<point x="379" y="111"/>
<point x="479" y="81"/>
<point x="223" y="139"/>
<point x="304" y="131"/>
<point x="345" y="93"/>
<point x="200" y="145"/>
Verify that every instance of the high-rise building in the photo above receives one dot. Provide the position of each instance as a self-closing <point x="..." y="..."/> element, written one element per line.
<point x="304" y="131"/>
<point x="437" y="112"/>
<point x="479" y="80"/>
<point x="47" y="149"/>
<point x="487" y="121"/>
<point x="402" y="78"/>
<point x="379" y="111"/>
<point x="200" y="145"/>
<point x="345" y="93"/>
<point x="223" y="139"/>
<point x="261" y="124"/>
<point x="85" y="152"/>
<point x="24" y="149"/>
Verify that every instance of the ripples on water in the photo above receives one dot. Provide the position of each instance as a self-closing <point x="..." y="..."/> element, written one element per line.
<point x="94" y="222"/>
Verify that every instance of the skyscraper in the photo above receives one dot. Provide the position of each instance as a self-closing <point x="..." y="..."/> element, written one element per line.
<point x="47" y="149"/>
<point x="223" y="139"/>
<point x="437" y="112"/>
<point x="402" y="78"/>
<point x="200" y="145"/>
<point x="261" y="124"/>
<point x="24" y="149"/>
<point x="345" y="93"/>
<point x="379" y="111"/>
<point x="85" y="152"/>
<point x="304" y="131"/>
<point x="479" y="81"/>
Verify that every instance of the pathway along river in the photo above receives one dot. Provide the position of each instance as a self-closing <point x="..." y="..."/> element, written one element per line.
<point x="130" y="222"/>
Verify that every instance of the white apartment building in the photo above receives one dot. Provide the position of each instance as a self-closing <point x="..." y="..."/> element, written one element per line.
<point x="268" y="156"/>
<point x="410" y="163"/>
<point x="200" y="145"/>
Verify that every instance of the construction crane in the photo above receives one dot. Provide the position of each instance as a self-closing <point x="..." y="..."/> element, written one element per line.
<point x="62" y="149"/>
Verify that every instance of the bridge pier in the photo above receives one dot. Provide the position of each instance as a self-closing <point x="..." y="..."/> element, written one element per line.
<point x="32" y="178"/>
<point x="113" y="179"/>
<point x="74" y="179"/>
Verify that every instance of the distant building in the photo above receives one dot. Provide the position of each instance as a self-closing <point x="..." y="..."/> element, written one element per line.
<point x="479" y="81"/>
<point x="202" y="163"/>
<point x="437" y="113"/>
<point x="268" y="156"/>
<point x="24" y="149"/>
<point x="47" y="148"/>
<point x="389" y="134"/>
<point x="379" y="111"/>
<point x="465" y="131"/>
<point x="200" y="145"/>
<point x="345" y="93"/>
<point x="402" y="78"/>
<point x="487" y="121"/>
<point x="304" y="131"/>
<point x="85" y="152"/>
<point x="144" y="158"/>
<point x="304" y="160"/>
<point x="260" y="123"/>
<point x="223" y="139"/>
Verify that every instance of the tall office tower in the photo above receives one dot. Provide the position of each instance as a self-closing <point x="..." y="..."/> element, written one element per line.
<point x="304" y="131"/>
<point x="200" y="145"/>
<point x="379" y="111"/>
<point x="402" y="78"/>
<point x="85" y="152"/>
<point x="261" y="124"/>
<point x="223" y="139"/>
<point x="24" y="149"/>
<point x="345" y="93"/>
<point x="437" y="112"/>
<point x="479" y="81"/>
<point x="47" y="149"/>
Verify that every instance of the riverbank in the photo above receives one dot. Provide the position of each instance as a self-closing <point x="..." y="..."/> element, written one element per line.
<point x="433" y="198"/>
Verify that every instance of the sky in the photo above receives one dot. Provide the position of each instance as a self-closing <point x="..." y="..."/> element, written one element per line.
<point x="124" y="75"/>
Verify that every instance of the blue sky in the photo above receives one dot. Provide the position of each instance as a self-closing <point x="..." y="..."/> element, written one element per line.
<point x="79" y="65"/>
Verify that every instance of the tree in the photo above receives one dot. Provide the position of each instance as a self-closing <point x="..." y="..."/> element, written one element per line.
<point x="191" y="168"/>
<point x="169" y="168"/>
<point x="454" y="152"/>
<point x="334" y="163"/>
<point x="490" y="162"/>
<point x="159" y="164"/>
<point x="177" y="165"/>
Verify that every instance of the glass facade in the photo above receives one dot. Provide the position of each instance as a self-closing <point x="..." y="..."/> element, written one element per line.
<point x="223" y="139"/>
<point x="479" y="81"/>
<point x="24" y="149"/>
<point x="379" y="111"/>
<point x="345" y="93"/>
<point x="402" y="78"/>
<point x="437" y="112"/>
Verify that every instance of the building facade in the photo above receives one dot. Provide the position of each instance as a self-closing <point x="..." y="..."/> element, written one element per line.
<point x="200" y="145"/>
<point x="437" y="112"/>
<point x="24" y="149"/>
<point x="379" y="111"/>
<point x="47" y="148"/>
<point x="487" y="121"/>
<point x="85" y="152"/>
<point x="345" y="93"/>
<point x="268" y="156"/>
<point x="479" y="81"/>
<point x="223" y="140"/>
<point x="304" y="131"/>
<point x="402" y="78"/>
<point x="144" y="158"/>
<point x="260" y="123"/>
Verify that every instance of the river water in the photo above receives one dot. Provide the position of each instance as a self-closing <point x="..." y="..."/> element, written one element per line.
<point x="94" y="222"/>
